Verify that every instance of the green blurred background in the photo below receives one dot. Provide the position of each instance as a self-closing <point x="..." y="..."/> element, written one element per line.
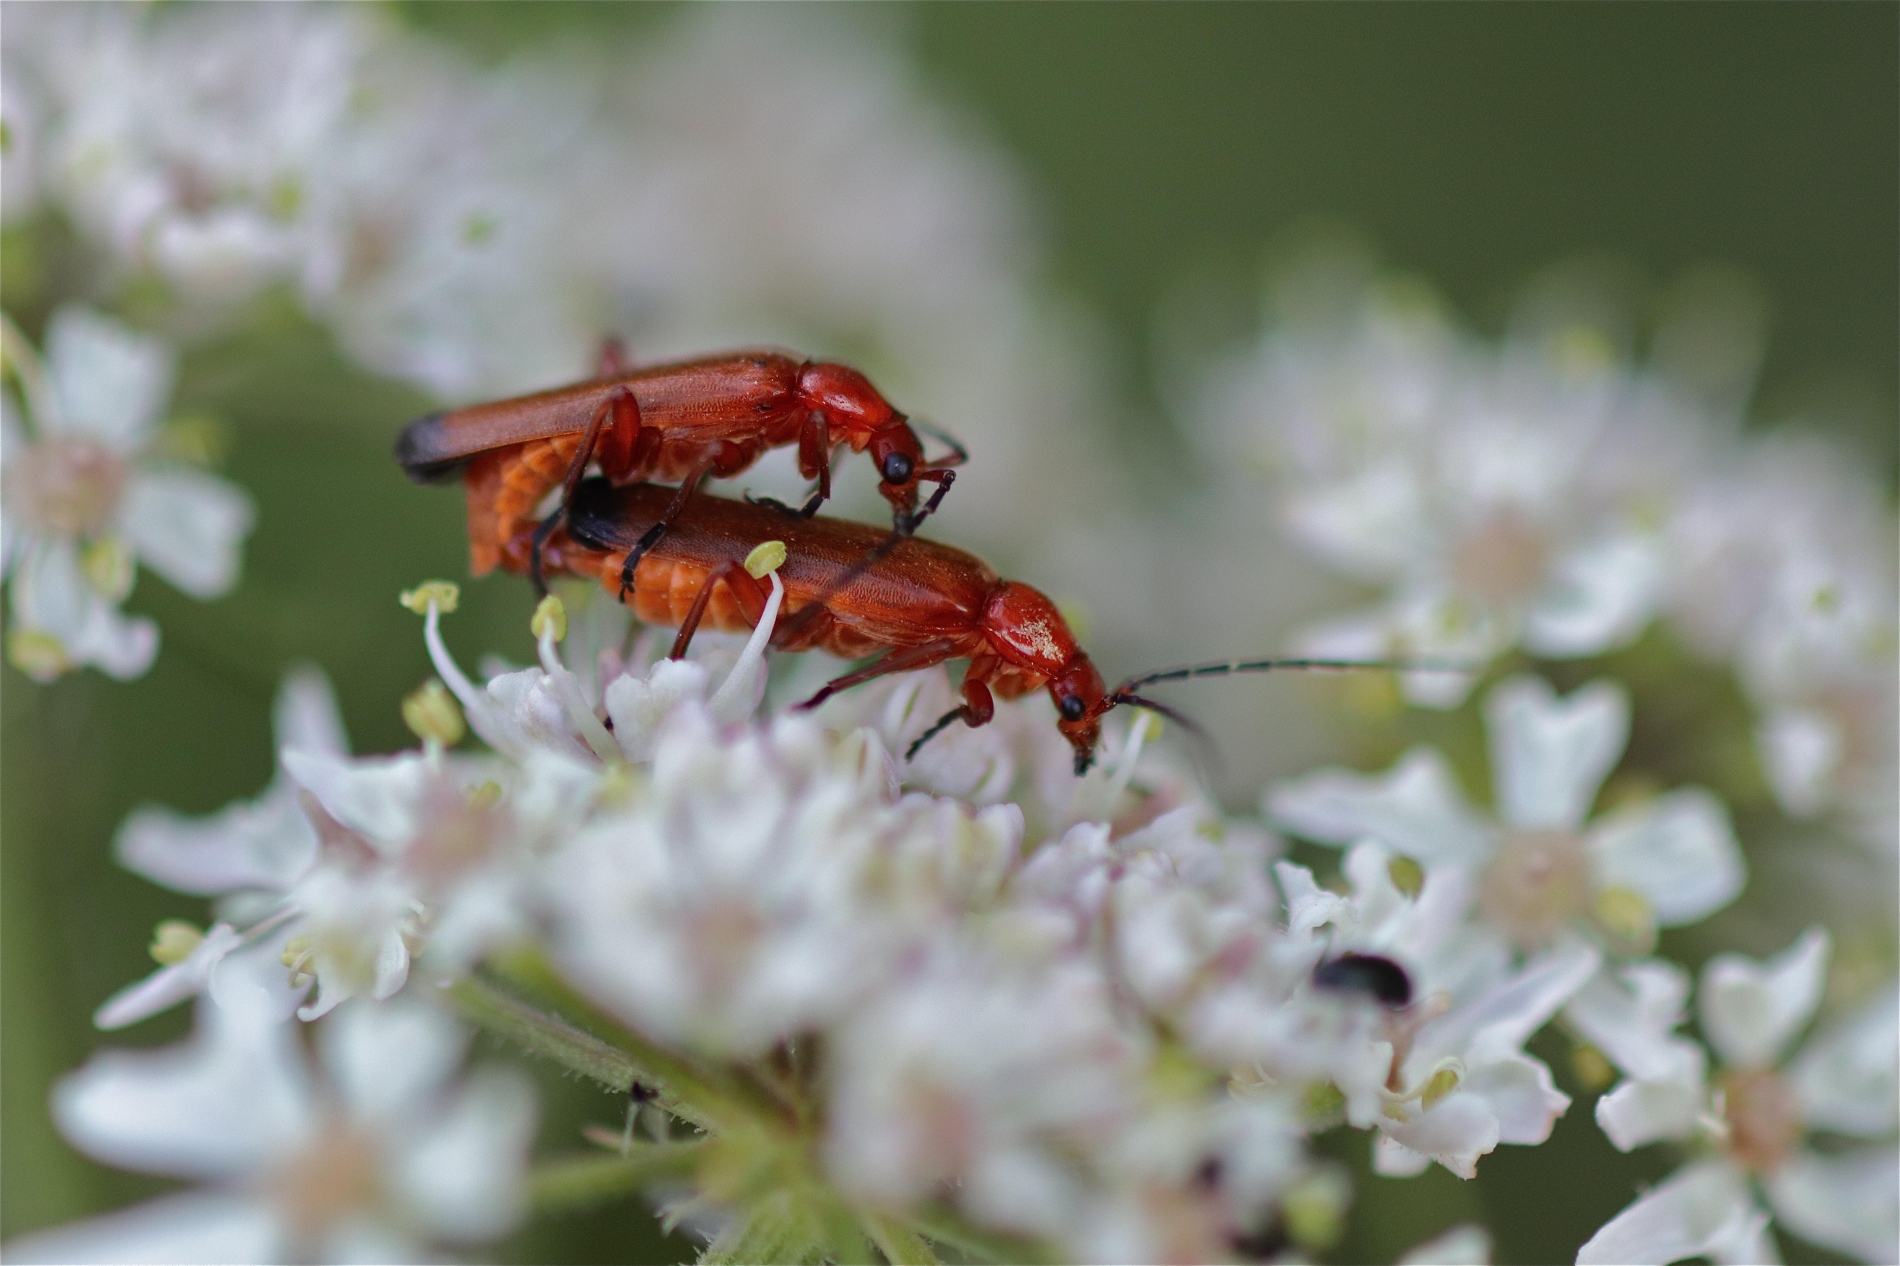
<point x="1168" y="146"/>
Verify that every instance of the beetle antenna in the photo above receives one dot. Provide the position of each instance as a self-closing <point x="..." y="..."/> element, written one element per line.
<point x="1202" y="739"/>
<point x="958" y="453"/>
<point x="1225" y="668"/>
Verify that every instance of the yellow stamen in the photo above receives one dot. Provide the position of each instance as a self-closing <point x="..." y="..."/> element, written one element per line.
<point x="444" y="593"/>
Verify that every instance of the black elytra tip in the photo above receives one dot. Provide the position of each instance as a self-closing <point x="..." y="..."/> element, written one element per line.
<point x="1369" y="974"/>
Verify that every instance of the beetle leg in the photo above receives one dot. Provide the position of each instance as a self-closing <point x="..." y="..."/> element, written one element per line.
<point x="906" y="525"/>
<point x="957" y="455"/>
<point x="814" y="462"/>
<point x="923" y="655"/>
<point x="748" y="591"/>
<point x="613" y="407"/>
<point x="976" y="709"/>
<point x="652" y="535"/>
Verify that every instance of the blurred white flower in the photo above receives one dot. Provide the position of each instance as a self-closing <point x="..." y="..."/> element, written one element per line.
<point x="87" y="499"/>
<point x="1500" y="497"/>
<point x="1540" y="870"/>
<point x="373" y="1154"/>
<point x="1787" y="571"/>
<point x="1756" y="1114"/>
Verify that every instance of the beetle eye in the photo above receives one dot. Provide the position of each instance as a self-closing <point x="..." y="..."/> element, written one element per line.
<point x="1072" y="708"/>
<point x="898" y="468"/>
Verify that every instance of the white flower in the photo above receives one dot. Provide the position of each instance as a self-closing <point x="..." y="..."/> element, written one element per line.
<point x="1540" y="870"/>
<point x="1499" y="497"/>
<point x="373" y="1154"/>
<point x="1756" y="1114"/>
<point x="86" y="501"/>
<point x="1787" y="566"/>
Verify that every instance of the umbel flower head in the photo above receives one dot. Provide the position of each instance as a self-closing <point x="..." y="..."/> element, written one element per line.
<point x="1755" y="1118"/>
<point x="90" y="494"/>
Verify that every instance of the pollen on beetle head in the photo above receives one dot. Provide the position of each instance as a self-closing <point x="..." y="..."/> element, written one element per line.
<point x="444" y="594"/>
<point x="765" y="559"/>
<point x="433" y="715"/>
<point x="549" y="619"/>
<point x="173" y="941"/>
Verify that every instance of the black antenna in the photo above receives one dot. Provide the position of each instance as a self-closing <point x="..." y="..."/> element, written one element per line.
<point x="1227" y="667"/>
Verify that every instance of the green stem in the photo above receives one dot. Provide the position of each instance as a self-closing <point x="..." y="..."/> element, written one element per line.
<point x="768" y="1232"/>
<point x="900" y="1245"/>
<point x="584" y="1180"/>
<point x="542" y="1034"/>
<point x="708" y="1098"/>
<point x="947" y="1227"/>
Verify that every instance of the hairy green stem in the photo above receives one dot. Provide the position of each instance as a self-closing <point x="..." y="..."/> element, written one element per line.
<point x="900" y="1245"/>
<point x="947" y="1227"/>
<point x="542" y="1034"/>
<point x="591" y="1179"/>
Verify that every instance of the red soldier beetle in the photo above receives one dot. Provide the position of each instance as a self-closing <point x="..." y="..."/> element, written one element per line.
<point x="679" y="422"/>
<point x="853" y="591"/>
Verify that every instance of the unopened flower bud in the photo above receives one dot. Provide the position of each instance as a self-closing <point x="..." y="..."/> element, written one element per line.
<point x="549" y="619"/>
<point x="40" y="656"/>
<point x="1315" y="1208"/>
<point x="445" y="594"/>
<point x="433" y="715"/>
<point x="173" y="941"/>
<point x="765" y="559"/>
<point x="1592" y="1071"/>
<point x="1406" y="874"/>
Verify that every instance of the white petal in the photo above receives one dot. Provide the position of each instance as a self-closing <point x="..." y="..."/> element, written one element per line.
<point x="1597" y="597"/>
<point x="1849" y="1202"/>
<point x="391" y="1058"/>
<point x="51" y="594"/>
<point x="1455" y="1133"/>
<point x="305" y="715"/>
<point x="1639" y="1112"/>
<point x="1801" y="750"/>
<point x="1752" y="1010"/>
<point x="1678" y="851"/>
<point x="187" y="526"/>
<point x="1466" y="1245"/>
<point x="187" y="1229"/>
<point x="1699" y="1209"/>
<point x="110" y="380"/>
<point x="465" y="1174"/>
<point x="168" y="986"/>
<point x="1395" y="1160"/>
<point x="1549" y="755"/>
<point x="1631" y="1013"/>
<point x="378" y="797"/>
<point x="640" y="707"/>
<point x="1520" y="1094"/>
<point x="1504" y="1016"/>
<point x="1369" y="524"/>
<point x="1415" y="809"/>
<point x="263" y="846"/>
<point x="1845" y="1076"/>
<point x="220" y="1105"/>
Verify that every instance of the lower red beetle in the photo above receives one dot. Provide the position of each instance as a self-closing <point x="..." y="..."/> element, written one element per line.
<point x="853" y="591"/>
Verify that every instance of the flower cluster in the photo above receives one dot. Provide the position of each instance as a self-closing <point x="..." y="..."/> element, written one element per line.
<point x="1542" y="494"/>
<point x="94" y="486"/>
<point x="1079" y="1016"/>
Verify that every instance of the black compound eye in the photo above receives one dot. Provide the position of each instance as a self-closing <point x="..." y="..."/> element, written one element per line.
<point x="1072" y="708"/>
<point x="1369" y="974"/>
<point x="898" y="468"/>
